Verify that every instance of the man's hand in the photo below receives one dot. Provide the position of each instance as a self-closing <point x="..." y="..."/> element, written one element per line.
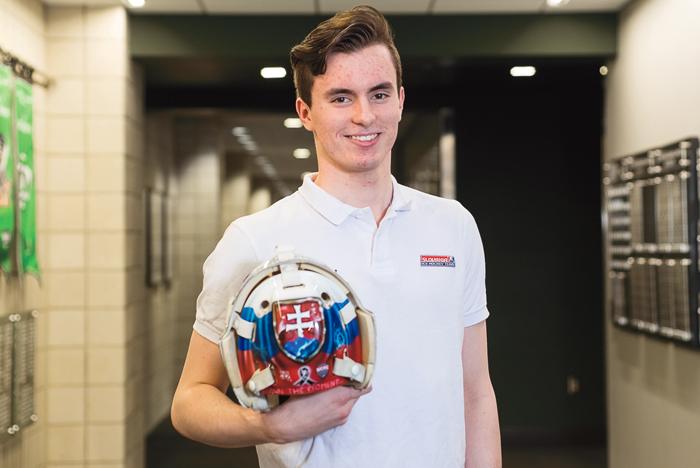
<point x="306" y="416"/>
<point x="202" y="412"/>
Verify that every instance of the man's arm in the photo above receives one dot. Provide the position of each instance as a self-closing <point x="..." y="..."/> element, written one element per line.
<point x="480" y="412"/>
<point x="201" y="410"/>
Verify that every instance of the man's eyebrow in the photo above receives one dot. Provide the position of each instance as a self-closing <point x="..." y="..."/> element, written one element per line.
<point x="386" y="85"/>
<point x="334" y="91"/>
<point x="383" y="86"/>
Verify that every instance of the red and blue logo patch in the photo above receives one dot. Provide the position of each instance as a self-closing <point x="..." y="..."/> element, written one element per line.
<point x="437" y="261"/>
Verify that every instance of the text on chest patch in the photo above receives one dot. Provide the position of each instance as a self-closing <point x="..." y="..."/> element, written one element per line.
<point x="437" y="261"/>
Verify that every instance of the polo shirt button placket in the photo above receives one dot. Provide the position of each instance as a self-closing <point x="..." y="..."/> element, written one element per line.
<point x="381" y="258"/>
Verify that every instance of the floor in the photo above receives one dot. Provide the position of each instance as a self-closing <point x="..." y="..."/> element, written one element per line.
<point x="166" y="448"/>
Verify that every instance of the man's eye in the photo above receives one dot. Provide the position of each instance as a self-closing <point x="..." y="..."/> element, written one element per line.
<point x="381" y="96"/>
<point x="341" y="99"/>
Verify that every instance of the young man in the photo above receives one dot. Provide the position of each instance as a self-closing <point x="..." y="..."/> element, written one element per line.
<point x="415" y="260"/>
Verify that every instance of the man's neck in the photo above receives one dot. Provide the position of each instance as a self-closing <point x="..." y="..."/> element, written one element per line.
<point x="374" y="189"/>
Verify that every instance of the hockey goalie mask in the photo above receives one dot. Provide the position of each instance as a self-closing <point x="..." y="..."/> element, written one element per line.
<point x="295" y="328"/>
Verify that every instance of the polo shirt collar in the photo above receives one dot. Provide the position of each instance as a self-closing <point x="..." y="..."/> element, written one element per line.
<point x="336" y="211"/>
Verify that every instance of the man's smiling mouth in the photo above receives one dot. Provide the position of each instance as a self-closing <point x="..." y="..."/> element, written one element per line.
<point x="367" y="137"/>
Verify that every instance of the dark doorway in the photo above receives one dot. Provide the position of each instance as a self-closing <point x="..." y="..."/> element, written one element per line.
<point x="529" y="169"/>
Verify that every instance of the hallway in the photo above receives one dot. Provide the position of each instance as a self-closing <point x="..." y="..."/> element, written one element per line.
<point x="166" y="448"/>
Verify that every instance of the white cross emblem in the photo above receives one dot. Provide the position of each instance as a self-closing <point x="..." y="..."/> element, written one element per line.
<point x="299" y="325"/>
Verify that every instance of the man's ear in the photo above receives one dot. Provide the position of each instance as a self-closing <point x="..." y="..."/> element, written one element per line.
<point x="402" y="96"/>
<point x="304" y="113"/>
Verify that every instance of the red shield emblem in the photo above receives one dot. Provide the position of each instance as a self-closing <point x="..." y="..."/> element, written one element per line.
<point x="299" y="328"/>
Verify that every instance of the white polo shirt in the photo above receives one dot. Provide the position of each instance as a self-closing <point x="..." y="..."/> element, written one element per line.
<point x="421" y="272"/>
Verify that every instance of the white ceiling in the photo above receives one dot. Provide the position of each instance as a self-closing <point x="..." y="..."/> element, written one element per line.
<point x="309" y="7"/>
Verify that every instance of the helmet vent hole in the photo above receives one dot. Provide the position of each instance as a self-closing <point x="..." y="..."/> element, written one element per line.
<point x="264" y="305"/>
<point x="325" y="296"/>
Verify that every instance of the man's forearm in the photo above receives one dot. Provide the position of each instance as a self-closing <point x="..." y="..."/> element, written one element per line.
<point x="482" y="431"/>
<point x="220" y="422"/>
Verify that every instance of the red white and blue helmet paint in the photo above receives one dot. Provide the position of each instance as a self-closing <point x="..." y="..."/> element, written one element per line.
<point x="295" y="328"/>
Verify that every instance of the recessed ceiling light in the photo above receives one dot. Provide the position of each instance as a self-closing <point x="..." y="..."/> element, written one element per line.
<point x="136" y="3"/>
<point x="522" y="71"/>
<point x="292" y="122"/>
<point x="239" y="131"/>
<point x="302" y="153"/>
<point x="556" y="3"/>
<point x="603" y="70"/>
<point x="273" y="72"/>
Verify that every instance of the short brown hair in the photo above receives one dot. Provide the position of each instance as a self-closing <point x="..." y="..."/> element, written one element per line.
<point x="347" y="31"/>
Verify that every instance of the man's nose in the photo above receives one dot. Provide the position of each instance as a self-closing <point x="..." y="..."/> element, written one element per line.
<point x="363" y="114"/>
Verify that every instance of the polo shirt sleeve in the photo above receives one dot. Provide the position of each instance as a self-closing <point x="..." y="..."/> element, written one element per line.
<point x="474" y="283"/>
<point x="224" y="271"/>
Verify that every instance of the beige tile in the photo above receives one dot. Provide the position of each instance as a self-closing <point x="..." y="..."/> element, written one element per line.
<point x="65" y="289"/>
<point x="66" y="57"/>
<point x="65" y="135"/>
<point x="106" y="174"/>
<point x="66" y="97"/>
<point x="106" y="250"/>
<point x="66" y="212"/>
<point x="106" y="403"/>
<point x="62" y="21"/>
<point x="135" y="357"/>
<point x="106" y="212"/>
<point x="135" y="139"/>
<point x="65" y="405"/>
<point x="135" y="249"/>
<point x="65" y="366"/>
<point x="65" y="443"/>
<point x="65" y="174"/>
<point x="106" y="442"/>
<point x="106" y="22"/>
<point x="106" y="96"/>
<point x="107" y="327"/>
<point x="66" y="251"/>
<point x="106" y="365"/>
<point x="134" y="177"/>
<point x="66" y="327"/>
<point x="106" y="57"/>
<point x="106" y="135"/>
<point x="42" y="210"/>
<point x="107" y="289"/>
<point x="41" y="327"/>
<point x="35" y="296"/>
<point x="39" y="132"/>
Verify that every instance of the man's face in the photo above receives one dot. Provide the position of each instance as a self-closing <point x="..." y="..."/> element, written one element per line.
<point x="356" y="110"/>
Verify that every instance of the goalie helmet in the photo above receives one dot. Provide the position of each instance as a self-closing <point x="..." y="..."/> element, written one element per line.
<point x="294" y="328"/>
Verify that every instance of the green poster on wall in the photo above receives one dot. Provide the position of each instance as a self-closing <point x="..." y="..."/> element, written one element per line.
<point x="26" y="192"/>
<point x="7" y="211"/>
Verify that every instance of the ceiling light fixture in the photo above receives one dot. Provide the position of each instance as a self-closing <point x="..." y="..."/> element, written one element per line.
<point x="522" y="71"/>
<point x="292" y="122"/>
<point x="273" y="72"/>
<point x="556" y="3"/>
<point x="136" y="3"/>
<point x="302" y="153"/>
<point x="603" y="70"/>
<point x="239" y="131"/>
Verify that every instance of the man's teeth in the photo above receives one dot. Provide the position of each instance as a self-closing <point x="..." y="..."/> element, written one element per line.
<point x="364" y="137"/>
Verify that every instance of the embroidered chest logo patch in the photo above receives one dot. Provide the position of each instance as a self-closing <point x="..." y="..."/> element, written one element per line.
<point x="437" y="261"/>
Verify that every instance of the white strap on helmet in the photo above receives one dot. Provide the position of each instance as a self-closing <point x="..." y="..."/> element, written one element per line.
<point x="260" y="380"/>
<point x="350" y="369"/>
<point x="243" y="327"/>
